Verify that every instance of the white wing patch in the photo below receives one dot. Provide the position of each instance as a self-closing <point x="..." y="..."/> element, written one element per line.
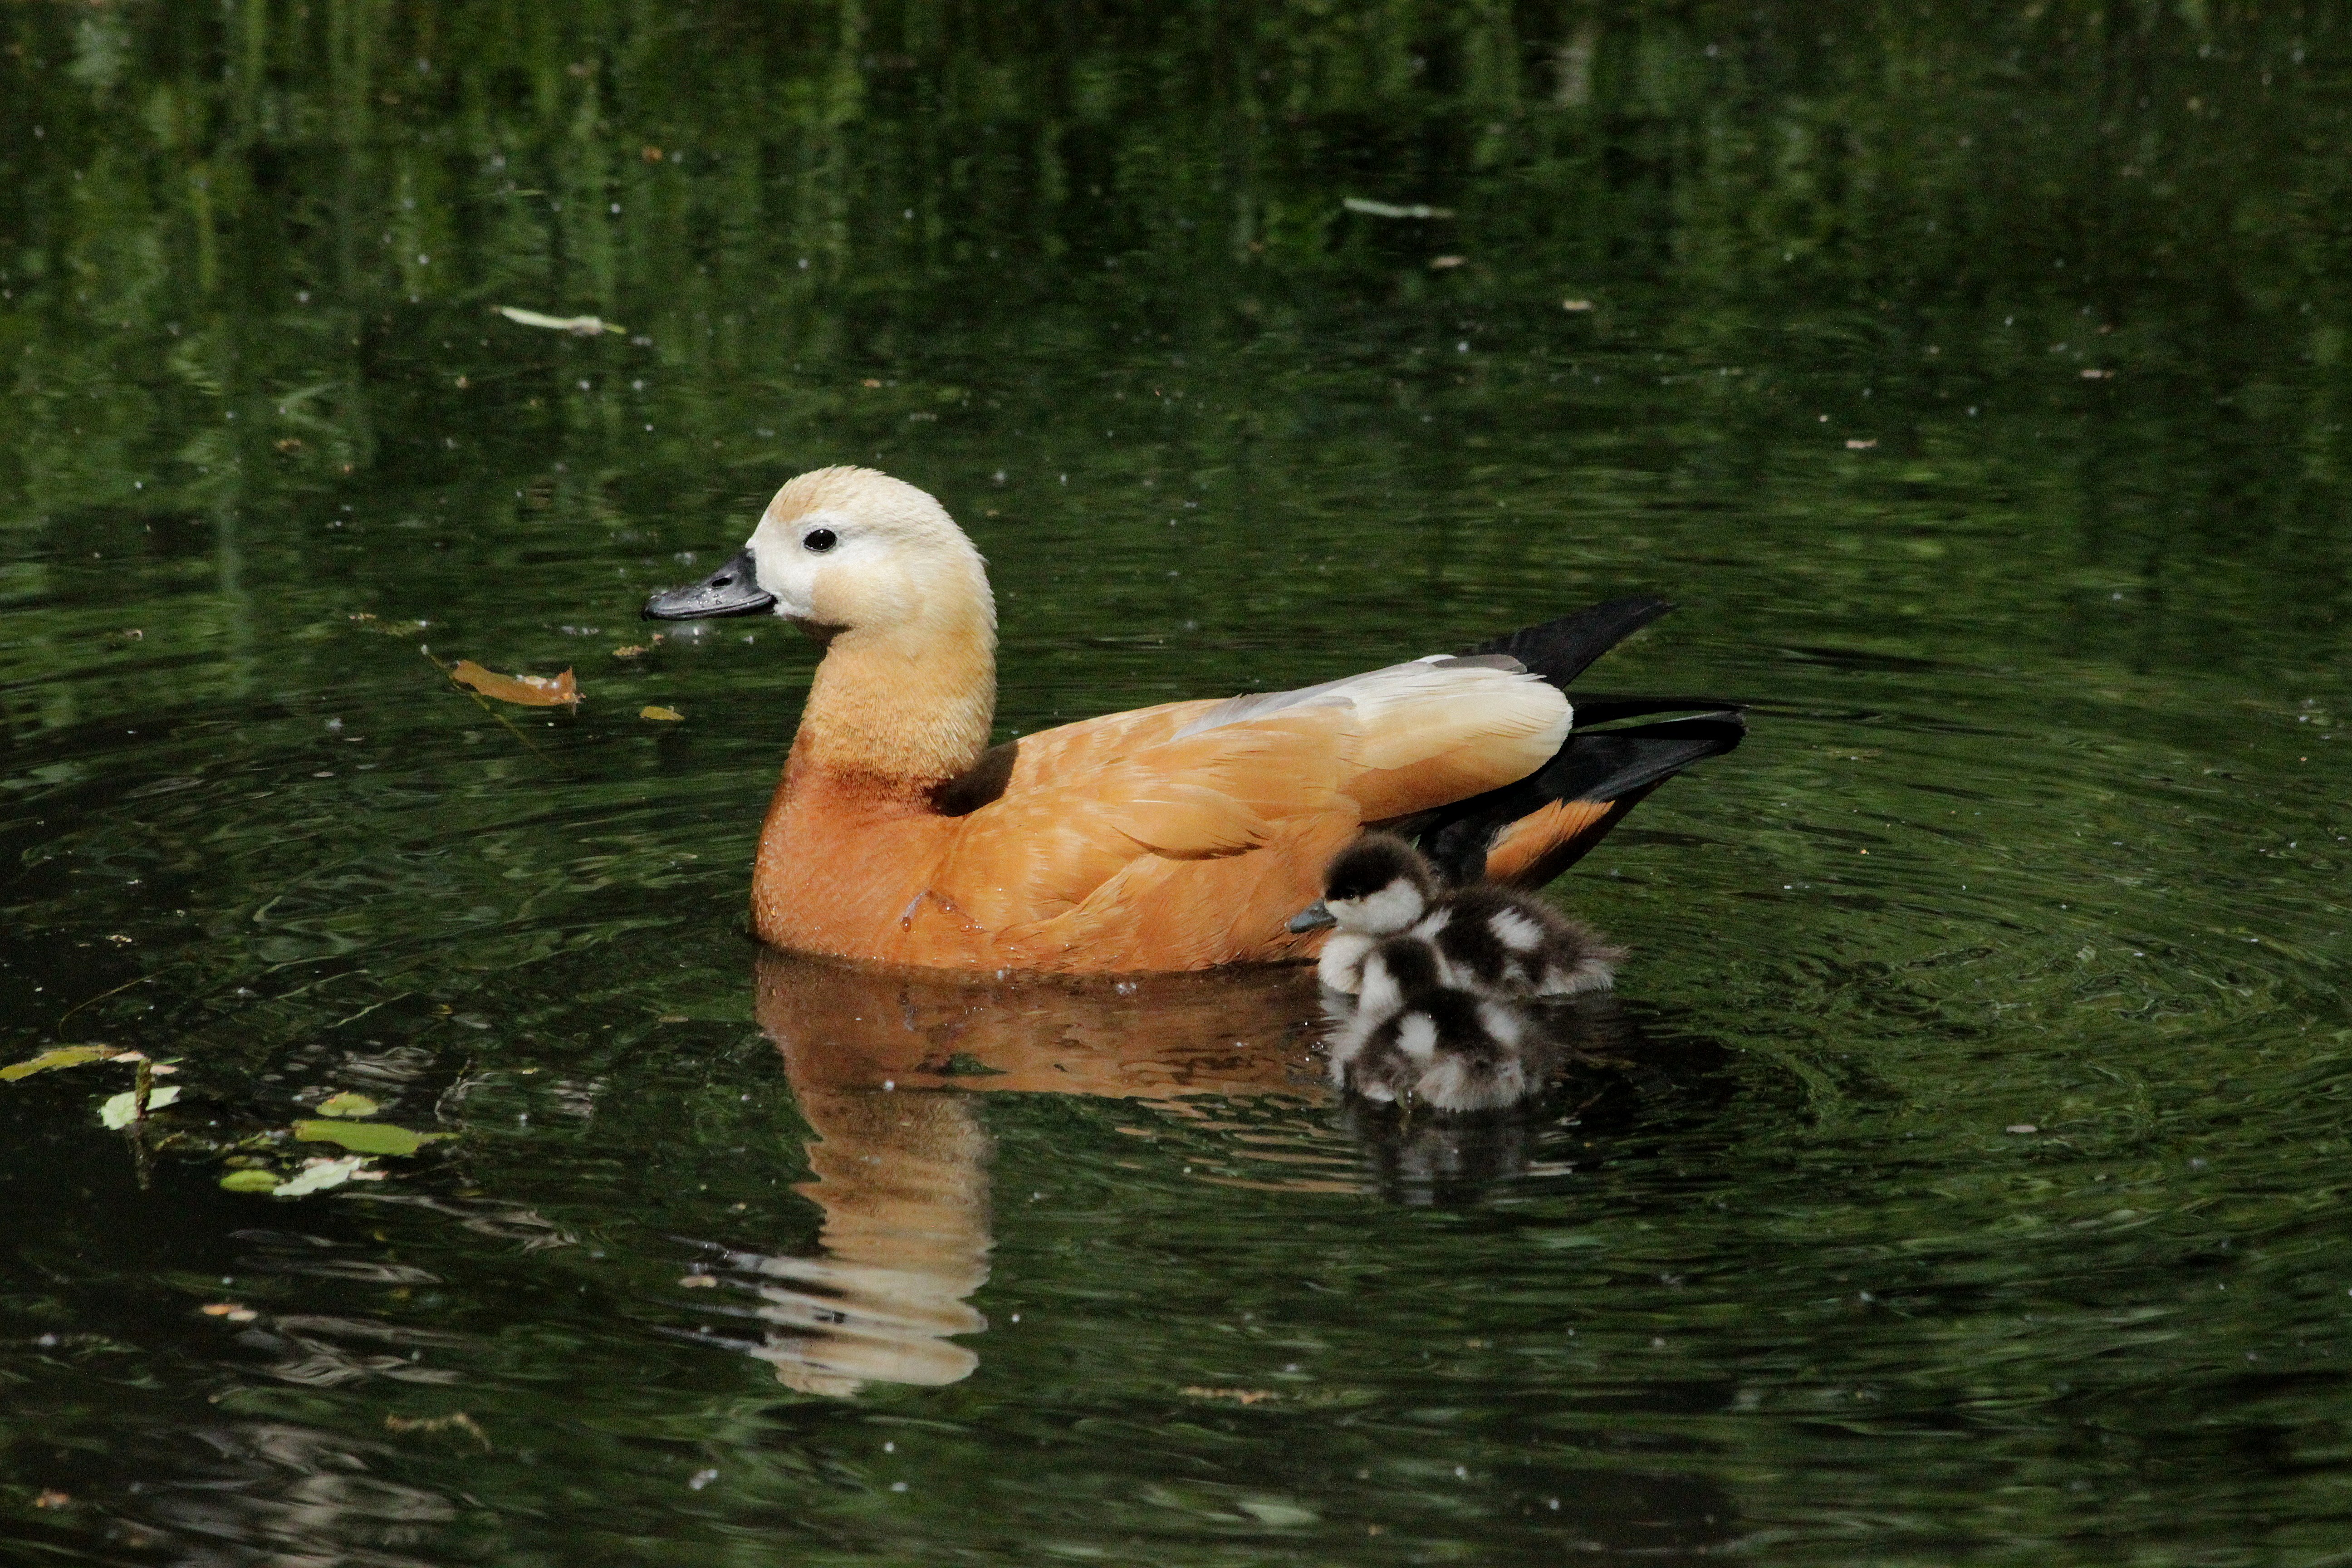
<point x="1416" y="1036"/>
<point x="1440" y="676"/>
<point x="1516" y="932"/>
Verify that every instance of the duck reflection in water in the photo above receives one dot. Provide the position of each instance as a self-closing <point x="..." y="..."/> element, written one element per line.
<point x="886" y="1066"/>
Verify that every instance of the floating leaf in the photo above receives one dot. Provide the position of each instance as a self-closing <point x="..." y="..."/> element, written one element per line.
<point x="525" y="691"/>
<point x="581" y="326"/>
<point x="123" y="1110"/>
<point x="317" y="1178"/>
<point x="250" y="1181"/>
<point x="367" y="1137"/>
<point x="62" y="1056"/>
<point x="667" y="715"/>
<point x="347" y="1104"/>
<point x="235" y="1312"/>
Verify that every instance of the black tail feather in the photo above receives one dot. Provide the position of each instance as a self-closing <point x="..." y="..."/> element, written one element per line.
<point x="1607" y="763"/>
<point x="1598" y="765"/>
<point x="1594" y="707"/>
<point x="1563" y="649"/>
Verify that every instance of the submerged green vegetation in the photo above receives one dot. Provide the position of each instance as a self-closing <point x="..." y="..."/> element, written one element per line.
<point x="1960" y="1172"/>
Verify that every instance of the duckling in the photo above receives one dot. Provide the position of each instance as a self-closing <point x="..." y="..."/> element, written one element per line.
<point x="1375" y="888"/>
<point x="1415" y="1038"/>
<point x="1491" y="941"/>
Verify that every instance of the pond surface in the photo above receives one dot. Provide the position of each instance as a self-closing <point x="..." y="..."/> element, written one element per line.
<point x="1959" y="1173"/>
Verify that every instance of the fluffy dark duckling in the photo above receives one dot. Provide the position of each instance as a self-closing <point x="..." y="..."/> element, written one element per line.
<point x="1413" y="1038"/>
<point x="1488" y="940"/>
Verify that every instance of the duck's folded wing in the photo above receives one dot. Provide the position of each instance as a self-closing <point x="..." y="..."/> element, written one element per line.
<point x="1439" y="730"/>
<point x="1038" y="851"/>
<point x="1216" y="780"/>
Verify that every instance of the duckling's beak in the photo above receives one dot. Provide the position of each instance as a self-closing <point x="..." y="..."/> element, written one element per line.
<point x="732" y="590"/>
<point x="1314" y="917"/>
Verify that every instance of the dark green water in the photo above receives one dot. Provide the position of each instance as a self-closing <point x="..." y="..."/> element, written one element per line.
<point x="1974" y="377"/>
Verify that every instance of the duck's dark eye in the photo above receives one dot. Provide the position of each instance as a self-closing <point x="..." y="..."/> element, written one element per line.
<point x="818" y="539"/>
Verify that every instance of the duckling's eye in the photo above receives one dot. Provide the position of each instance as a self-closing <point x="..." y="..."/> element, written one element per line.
<point x="817" y="541"/>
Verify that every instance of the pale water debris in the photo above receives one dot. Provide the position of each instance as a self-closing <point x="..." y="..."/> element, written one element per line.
<point x="120" y="1110"/>
<point x="579" y="326"/>
<point x="1389" y="209"/>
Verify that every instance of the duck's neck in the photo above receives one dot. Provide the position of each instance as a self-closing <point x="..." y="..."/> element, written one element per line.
<point x="897" y="711"/>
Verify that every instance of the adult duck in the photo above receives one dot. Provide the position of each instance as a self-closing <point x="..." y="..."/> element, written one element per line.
<point x="1179" y="836"/>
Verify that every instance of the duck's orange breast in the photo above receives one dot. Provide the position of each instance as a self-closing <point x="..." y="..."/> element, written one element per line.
<point x="844" y="866"/>
<point x="1045" y="884"/>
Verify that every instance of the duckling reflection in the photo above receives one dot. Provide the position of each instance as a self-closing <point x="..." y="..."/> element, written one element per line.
<point x="884" y="1064"/>
<point x="1450" y="1093"/>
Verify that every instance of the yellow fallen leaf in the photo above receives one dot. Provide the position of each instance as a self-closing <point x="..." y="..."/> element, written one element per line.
<point x="525" y="691"/>
<point x="1576" y="304"/>
<point x="61" y="1056"/>
<point x="667" y="715"/>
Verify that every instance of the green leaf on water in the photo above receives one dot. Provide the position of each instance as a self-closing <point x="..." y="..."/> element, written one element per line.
<point x="123" y="1110"/>
<point x="250" y="1181"/>
<point x="317" y="1178"/>
<point x="62" y="1056"/>
<point x="347" y="1104"/>
<point x="367" y="1137"/>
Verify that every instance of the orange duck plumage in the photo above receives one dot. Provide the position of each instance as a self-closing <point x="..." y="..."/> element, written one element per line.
<point x="1180" y="837"/>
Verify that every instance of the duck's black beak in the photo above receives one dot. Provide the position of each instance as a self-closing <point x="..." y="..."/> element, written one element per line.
<point x="732" y="590"/>
<point x="1314" y="917"/>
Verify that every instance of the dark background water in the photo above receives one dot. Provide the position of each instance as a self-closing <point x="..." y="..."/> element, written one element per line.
<point x="1975" y="377"/>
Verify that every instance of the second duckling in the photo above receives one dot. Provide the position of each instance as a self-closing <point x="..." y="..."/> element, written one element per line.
<point x="1413" y="1038"/>
<point x="1487" y="940"/>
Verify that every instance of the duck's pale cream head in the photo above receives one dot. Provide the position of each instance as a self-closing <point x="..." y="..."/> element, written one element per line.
<point x="847" y="549"/>
<point x="879" y="573"/>
<point x="853" y="550"/>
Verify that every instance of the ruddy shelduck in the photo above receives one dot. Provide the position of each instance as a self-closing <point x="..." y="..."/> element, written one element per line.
<point x="1180" y="837"/>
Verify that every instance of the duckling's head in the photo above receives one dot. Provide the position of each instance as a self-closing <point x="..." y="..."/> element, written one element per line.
<point x="846" y="549"/>
<point x="1379" y="885"/>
